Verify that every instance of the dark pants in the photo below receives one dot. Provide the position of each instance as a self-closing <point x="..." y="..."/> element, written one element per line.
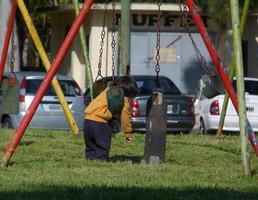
<point x="97" y="138"/>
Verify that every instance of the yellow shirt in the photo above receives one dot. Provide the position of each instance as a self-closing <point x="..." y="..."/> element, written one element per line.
<point x="98" y="111"/>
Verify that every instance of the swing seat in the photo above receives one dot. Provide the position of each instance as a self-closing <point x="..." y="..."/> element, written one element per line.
<point x="115" y="98"/>
<point x="212" y="87"/>
<point x="156" y="129"/>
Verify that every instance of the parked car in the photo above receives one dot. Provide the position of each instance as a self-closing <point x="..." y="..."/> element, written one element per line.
<point x="208" y="110"/>
<point x="16" y="99"/>
<point x="180" y="108"/>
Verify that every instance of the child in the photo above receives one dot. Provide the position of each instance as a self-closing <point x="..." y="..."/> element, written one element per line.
<point x="97" y="133"/>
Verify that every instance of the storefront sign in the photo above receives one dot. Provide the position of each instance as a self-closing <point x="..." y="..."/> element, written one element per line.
<point x="150" y="20"/>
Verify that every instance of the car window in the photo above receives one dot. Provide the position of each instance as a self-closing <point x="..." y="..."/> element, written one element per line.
<point x="147" y="86"/>
<point x="69" y="87"/>
<point x="251" y="87"/>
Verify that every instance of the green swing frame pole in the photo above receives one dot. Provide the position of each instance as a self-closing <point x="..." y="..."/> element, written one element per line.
<point x="232" y="71"/>
<point x="240" y="83"/>
<point x="125" y="37"/>
<point x="84" y="50"/>
<point x="218" y="64"/>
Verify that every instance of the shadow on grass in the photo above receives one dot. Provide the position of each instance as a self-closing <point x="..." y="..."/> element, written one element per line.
<point x="122" y="158"/>
<point x="137" y="193"/>
<point x="26" y="142"/>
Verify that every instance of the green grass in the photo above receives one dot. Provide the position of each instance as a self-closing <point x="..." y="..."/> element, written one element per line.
<point x="51" y="165"/>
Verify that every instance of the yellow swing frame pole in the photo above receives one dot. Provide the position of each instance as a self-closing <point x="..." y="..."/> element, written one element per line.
<point x="47" y="65"/>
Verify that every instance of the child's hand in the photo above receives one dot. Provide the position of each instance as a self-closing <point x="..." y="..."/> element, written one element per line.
<point x="128" y="139"/>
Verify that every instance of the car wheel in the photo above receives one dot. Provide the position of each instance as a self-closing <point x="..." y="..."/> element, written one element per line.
<point x="7" y="123"/>
<point x="115" y="125"/>
<point x="202" y="129"/>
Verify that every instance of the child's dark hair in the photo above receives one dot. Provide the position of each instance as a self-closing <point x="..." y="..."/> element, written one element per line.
<point x="128" y="85"/>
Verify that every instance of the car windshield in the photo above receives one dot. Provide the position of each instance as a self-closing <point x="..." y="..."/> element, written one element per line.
<point x="251" y="86"/>
<point x="147" y="86"/>
<point x="69" y="87"/>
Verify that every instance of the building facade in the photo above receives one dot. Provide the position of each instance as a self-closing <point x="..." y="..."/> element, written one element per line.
<point x="178" y="59"/>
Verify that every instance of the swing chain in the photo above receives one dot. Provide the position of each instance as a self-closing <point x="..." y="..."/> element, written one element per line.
<point x="12" y="58"/>
<point x="157" y="66"/>
<point x="113" y="43"/>
<point x="184" y="20"/>
<point x="12" y="76"/>
<point x="102" y="36"/>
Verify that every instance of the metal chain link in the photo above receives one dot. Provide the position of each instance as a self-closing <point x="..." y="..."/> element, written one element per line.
<point x="12" y="58"/>
<point x="184" y="20"/>
<point x="157" y="66"/>
<point x="102" y="36"/>
<point x="113" y="43"/>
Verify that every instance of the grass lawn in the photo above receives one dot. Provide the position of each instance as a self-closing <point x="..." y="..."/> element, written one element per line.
<point x="51" y="165"/>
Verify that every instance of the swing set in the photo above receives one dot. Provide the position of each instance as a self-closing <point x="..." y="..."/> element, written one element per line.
<point x="42" y="54"/>
<point x="53" y="68"/>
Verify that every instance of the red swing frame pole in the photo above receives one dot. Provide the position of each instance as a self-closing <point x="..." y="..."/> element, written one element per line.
<point x="7" y="39"/>
<point x="216" y="60"/>
<point x="46" y="82"/>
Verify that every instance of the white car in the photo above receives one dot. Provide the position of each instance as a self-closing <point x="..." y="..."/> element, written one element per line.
<point x="208" y="110"/>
